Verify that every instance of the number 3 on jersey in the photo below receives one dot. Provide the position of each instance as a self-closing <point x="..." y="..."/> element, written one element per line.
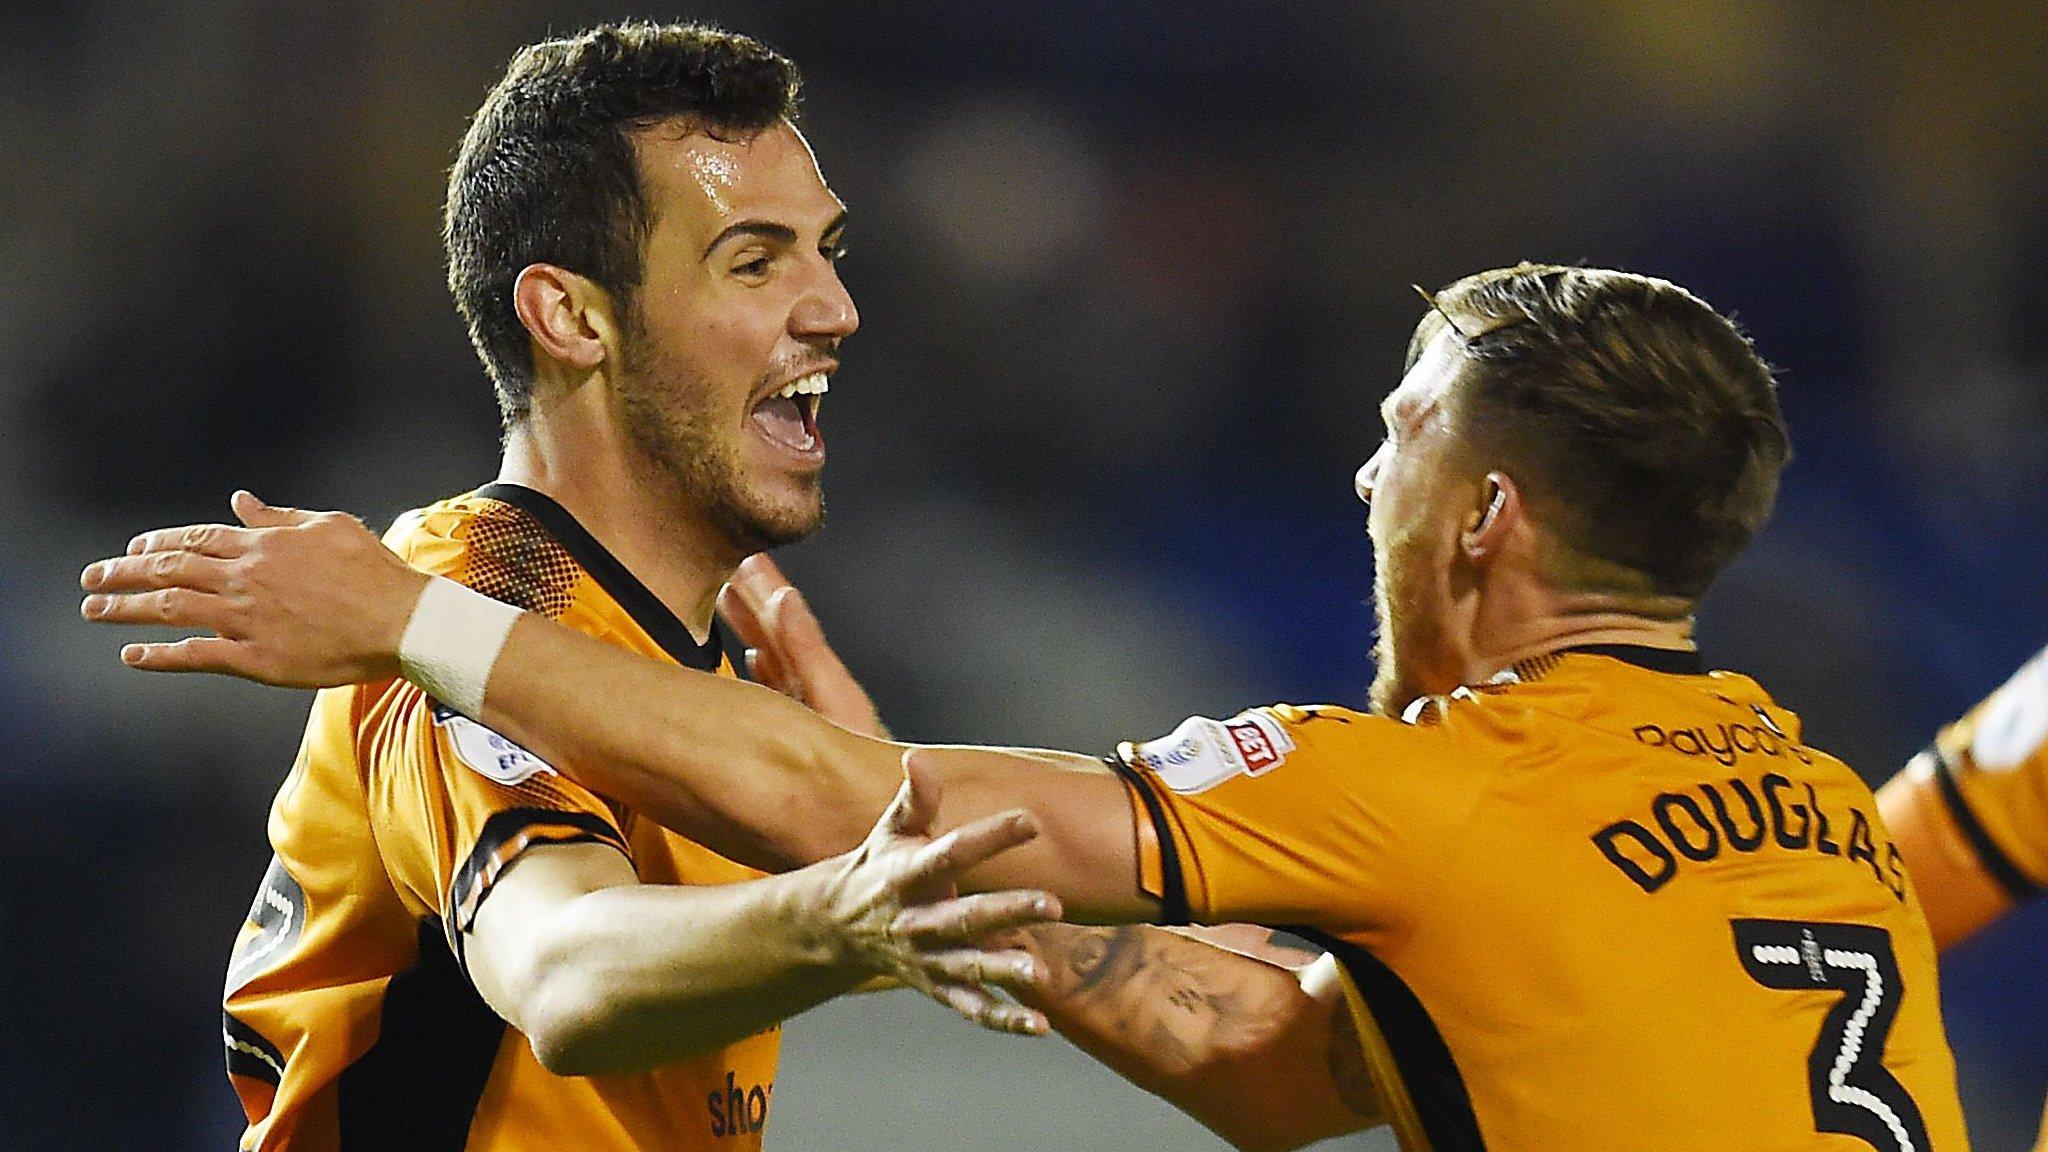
<point x="1853" y="1093"/>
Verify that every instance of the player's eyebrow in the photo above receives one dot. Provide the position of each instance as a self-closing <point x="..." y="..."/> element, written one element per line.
<point x="779" y="233"/>
<point x="769" y="230"/>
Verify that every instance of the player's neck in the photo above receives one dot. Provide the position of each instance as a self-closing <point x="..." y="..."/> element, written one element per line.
<point x="681" y="560"/>
<point x="1552" y="620"/>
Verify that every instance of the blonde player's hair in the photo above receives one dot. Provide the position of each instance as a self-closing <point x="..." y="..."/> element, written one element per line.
<point x="1641" y="424"/>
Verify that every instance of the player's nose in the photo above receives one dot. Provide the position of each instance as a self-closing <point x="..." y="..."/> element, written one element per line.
<point x="1369" y="474"/>
<point x="826" y="310"/>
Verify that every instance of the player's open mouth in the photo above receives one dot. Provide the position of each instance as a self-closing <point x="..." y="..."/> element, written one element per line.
<point x="788" y="416"/>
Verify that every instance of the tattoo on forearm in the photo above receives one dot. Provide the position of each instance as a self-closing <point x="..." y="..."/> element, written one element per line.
<point x="1100" y="954"/>
<point x="1151" y="990"/>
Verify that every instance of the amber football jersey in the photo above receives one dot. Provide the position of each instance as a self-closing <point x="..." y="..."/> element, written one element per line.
<point x="1607" y="902"/>
<point x="350" y="1023"/>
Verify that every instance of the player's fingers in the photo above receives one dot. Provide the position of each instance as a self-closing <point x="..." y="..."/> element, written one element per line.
<point x="766" y="668"/>
<point x="153" y="570"/>
<point x="758" y="579"/>
<point x="252" y="511"/>
<point x="742" y="617"/>
<point x="1016" y="971"/>
<point x="167" y="607"/>
<point x="968" y="845"/>
<point x="192" y="654"/>
<point x="791" y="620"/>
<point x="223" y="540"/>
<point x="753" y="592"/>
<point x="989" y="1010"/>
<point x="973" y="917"/>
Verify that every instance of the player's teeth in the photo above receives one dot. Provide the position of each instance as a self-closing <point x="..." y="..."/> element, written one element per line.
<point x="813" y="385"/>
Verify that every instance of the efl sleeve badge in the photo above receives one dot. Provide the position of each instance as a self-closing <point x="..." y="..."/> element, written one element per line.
<point x="1203" y="753"/>
<point x="486" y="753"/>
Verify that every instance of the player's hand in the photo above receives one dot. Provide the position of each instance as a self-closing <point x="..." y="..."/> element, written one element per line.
<point x="786" y="650"/>
<point x="300" y="599"/>
<point x="894" y="904"/>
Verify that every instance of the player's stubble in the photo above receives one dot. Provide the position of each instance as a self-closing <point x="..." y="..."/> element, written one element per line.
<point x="1402" y="625"/>
<point x="671" y="417"/>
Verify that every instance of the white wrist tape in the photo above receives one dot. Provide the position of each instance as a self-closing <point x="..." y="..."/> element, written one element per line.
<point x="452" y="641"/>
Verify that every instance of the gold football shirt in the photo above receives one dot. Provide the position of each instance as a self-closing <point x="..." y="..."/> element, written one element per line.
<point x="1608" y="902"/>
<point x="350" y="1023"/>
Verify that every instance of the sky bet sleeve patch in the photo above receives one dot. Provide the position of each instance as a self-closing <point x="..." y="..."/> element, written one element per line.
<point x="485" y="752"/>
<point x="1203" y="753"/>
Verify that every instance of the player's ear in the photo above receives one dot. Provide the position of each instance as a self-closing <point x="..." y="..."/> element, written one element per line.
<point x="568" y="315"/>
<point x="1493" y="519"/>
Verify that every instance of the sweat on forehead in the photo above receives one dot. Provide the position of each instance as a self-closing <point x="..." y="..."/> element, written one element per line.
<point x="719" y="163"/>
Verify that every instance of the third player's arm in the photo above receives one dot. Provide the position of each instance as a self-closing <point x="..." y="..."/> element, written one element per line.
<point x="1970" y="814"/>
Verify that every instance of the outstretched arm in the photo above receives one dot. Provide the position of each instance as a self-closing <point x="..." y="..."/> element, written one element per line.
<point x="604" y="974"/>
<point x="313" y="599"/>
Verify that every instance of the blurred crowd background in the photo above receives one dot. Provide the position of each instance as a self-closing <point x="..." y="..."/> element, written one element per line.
<point x="1133" y="278"/>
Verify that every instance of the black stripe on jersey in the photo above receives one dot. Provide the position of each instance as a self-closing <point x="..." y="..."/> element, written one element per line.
<point x="1428" y="1072"/>
<point x="643" y="606"/>
<point x="1672" y="660"/>
<point x="418" y="1086"/>
<point x="563" y="827"/>
<point x="1173" y="894"/>
<point x="1995" y="861"/>
<point x="249" y="1054"/>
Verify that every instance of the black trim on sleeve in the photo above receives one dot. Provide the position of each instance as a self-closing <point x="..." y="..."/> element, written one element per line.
<point x="250" y="1054"/>
<point x="1173" y="895"/>
<point x="460" y="915"/>
<point x="1428" y="1073"/>
<point x="1995" y="861"/>
<point x="418" y="1086"/>
<point x="621" y="585"/>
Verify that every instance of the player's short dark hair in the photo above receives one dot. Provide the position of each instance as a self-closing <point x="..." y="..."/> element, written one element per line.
<point x="547" y="171"/>
<point x="1642" y="425"/>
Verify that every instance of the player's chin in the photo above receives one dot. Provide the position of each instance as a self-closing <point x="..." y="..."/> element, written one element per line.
<point x="785" y="513"/>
